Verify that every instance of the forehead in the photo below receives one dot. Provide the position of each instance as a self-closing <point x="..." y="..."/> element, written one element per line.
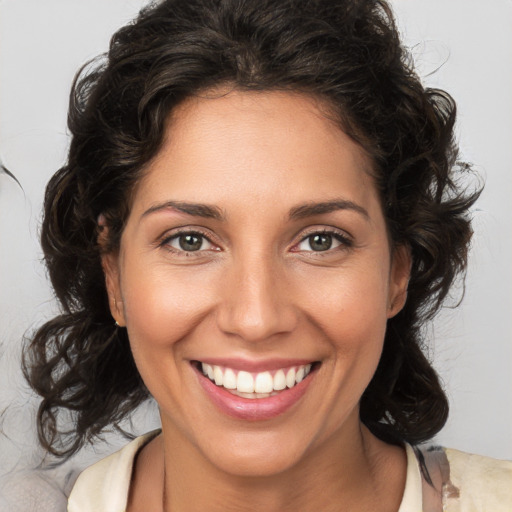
<point x="261" y="145"/>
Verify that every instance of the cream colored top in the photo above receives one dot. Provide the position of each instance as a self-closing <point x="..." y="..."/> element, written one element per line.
<point x="471" y="483"/>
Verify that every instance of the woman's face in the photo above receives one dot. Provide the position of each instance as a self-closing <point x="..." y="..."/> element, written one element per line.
<point x="256" y="250"/>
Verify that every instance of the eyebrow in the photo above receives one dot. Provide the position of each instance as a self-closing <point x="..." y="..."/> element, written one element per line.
<point x="296" y="213"/>
<point x="311" y="209"/>
<point x="195" y="209"/>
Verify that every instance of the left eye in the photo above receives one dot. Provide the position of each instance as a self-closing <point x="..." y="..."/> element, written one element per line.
<point x="319" y="242"/>
<point x="190" y="242"/>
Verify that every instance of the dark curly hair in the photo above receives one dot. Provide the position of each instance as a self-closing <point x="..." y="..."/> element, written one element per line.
<point x="345" y="52"/>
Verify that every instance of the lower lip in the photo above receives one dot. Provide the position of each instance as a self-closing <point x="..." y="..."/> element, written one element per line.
<point x="254" y="409"/>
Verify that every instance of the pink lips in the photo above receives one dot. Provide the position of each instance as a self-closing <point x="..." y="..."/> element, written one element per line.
<point x="257" y="409"/>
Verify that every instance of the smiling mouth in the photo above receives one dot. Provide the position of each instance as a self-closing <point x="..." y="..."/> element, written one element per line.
<point x="255" y="385"/>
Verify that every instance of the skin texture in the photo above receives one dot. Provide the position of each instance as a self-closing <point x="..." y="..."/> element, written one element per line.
<point x="257" y="291"/>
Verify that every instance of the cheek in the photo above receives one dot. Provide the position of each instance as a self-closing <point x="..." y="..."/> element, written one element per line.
<point x="349" y="314"/>
<point x="161" y="307"/>
<point x="349" y="303"/>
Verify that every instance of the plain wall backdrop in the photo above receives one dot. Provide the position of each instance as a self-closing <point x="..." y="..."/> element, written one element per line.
<point x="463" y="46"/>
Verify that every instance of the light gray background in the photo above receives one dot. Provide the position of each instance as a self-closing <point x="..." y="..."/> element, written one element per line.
<point x="464" y="46"/>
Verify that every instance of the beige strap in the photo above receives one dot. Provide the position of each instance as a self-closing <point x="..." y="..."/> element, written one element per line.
<point x="434" y="465"/>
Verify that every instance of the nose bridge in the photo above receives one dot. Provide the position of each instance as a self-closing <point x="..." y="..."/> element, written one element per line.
<point x="256" y="304"/>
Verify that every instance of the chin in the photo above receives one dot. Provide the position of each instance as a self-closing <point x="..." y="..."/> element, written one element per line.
<point x="257" y="462"/>
<point x="262" y="453"/>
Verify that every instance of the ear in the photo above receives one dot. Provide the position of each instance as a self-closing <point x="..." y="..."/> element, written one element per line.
<point x="399" y="279"/>
<point x="110" y="265"/>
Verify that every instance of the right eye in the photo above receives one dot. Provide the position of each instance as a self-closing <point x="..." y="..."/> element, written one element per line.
<point x="319" y="242"/>
<point x="188" y="242"/>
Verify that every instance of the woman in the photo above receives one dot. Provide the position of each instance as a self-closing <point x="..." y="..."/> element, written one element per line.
<point x="258" y="213"/>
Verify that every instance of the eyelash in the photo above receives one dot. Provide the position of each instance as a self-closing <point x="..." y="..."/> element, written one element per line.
<point x="166" y="240"/>
<point x="345" y="241"/>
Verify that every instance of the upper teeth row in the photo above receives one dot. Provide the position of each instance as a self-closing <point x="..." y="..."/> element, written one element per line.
<point x="263" y="382"/>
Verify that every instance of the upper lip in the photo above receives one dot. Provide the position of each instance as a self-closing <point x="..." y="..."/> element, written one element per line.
<point x="255" y="366"/>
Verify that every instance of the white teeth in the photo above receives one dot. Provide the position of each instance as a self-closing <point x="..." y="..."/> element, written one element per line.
<point x="279" y="380"/>
<point x="207" y="370"/>
<point x="264" y="383"/>
<point x="217" y="375"/>
<point x="229" y="379"/>
<point x="290" y="378"/>
<point x="245" y="382"/>
<point x="261" y="385"/>
<point x="252" y="396"/>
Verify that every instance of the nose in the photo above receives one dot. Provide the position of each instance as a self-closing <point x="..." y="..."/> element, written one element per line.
<point x="256" y="303"/>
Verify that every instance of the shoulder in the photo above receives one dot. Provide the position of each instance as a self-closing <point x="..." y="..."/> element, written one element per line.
<point x="465" y="482"/>
<point x="483" y="483"/>
<point x="105" y="485"/>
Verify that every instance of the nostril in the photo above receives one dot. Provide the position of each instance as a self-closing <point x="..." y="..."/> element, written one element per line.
<point x="257" y="323"/>
<point x="256" y="305"/>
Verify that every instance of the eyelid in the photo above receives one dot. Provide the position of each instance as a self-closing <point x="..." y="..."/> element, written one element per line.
<point x="341" y="235"/>
<point x="163" y="241"/>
